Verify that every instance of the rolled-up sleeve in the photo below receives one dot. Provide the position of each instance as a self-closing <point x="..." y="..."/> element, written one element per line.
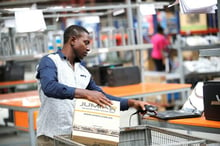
<point x="47" y="74"/>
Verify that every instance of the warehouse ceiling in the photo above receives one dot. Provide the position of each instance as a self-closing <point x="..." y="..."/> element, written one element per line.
<point x="7" y="6"/>
<point x="59" y="7"/>
<point x="45" y="3"/>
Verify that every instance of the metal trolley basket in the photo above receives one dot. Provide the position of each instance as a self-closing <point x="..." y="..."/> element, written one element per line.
<point x="144" y="135"/>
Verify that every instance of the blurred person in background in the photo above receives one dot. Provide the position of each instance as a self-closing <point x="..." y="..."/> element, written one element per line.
<point x="160" y="49"/>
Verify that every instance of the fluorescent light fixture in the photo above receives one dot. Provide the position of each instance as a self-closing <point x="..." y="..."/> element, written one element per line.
<point x="90" y="19"/>
<point x="147" y="9"/>
<point x="118" y="12"/>
<point x="55" y="7"/>
<point x="103" y="50"/>
<point x="17" y="9"/>
<point x="9" y="23"/>
<point x="29" y="21"/>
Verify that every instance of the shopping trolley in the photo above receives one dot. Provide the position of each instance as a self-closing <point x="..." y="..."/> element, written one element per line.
<point x="144" y="135"/>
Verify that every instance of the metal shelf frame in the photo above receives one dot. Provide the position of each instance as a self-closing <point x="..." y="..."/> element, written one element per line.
<point x="210" y="52"/>
<point x="100" y="10"/>
<point x="205" y="50"/>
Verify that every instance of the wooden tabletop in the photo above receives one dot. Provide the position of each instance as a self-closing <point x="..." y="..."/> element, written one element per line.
<point x="22" y="98"/>
<point x="29" y="99"/>
<point x="143" y="88"/>
<point x="199" y="121"/>
<point x="14" y="83"/>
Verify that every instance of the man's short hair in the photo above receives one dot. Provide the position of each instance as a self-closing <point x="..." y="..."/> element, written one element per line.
<point x="73" y="30"/>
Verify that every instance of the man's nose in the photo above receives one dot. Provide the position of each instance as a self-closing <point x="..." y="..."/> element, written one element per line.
<point x="87" y="48"/>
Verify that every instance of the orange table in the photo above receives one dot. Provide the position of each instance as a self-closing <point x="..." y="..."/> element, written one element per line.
<point x="15" y="83"/>
<point x="198" y="124"/>
<point x="201" y="121"/>
<point x="8" y="84"/>
<point x="147" y="89"/>
<point x="28" y="102"/>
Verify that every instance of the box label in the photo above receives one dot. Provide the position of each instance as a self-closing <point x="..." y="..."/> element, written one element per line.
<point x="93" y="124"/>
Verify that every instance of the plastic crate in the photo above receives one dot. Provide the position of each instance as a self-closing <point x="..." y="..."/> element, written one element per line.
<point x="143" y="136"/>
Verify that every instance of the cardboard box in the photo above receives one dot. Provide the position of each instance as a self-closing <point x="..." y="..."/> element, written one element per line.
<point x="94" y="125"/>
<point x="193" y="22"/>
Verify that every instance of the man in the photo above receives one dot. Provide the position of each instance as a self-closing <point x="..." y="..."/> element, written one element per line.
<point x="62" y="78"/>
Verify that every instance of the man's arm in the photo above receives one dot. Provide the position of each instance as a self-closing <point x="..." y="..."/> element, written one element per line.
<point x="47" y="74"/>
<point x="123" y="101"/>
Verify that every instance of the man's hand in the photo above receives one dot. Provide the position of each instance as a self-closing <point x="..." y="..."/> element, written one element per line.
<point x="93" y="96"/>
<point x="137" y="104"/>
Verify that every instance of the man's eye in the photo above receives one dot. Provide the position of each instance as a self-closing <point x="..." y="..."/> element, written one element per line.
<point x="86" y="42"/>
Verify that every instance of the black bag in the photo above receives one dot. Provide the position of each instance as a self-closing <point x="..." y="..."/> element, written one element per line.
<point x="118" y="76"/>
<point x="211" y="93"/>
<point x="12" y="72"/>
<point x="99" y="73"/>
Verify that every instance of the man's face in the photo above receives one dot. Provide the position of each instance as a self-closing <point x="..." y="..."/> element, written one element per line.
<point x="81" y="46"/>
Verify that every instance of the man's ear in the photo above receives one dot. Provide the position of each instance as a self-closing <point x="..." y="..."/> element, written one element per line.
<point x="72" y="40"/>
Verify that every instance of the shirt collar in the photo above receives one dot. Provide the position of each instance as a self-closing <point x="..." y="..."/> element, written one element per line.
<point x="62" y="56"/>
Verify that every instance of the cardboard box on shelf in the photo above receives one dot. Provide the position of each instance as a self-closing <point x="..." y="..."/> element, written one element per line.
<point x="95" y="125"/>
<point x="190" y="55"/>
<point x="193" y="22"/>
<point x="160" y="100"/>
<point x="149" y="64"/>
<point x="155" y="79"/>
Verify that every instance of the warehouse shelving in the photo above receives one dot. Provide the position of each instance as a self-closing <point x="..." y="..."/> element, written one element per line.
<point x="103" y="10"/>
<point x="201" y="48"/>
<point x="210" y="52"/>
<point x="35" y="52"/>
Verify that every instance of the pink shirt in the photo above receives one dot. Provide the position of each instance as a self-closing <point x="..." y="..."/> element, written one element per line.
<point x="160" y="43"/>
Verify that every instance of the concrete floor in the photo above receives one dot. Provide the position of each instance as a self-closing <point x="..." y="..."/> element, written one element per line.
<point x="9" y="136"/>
